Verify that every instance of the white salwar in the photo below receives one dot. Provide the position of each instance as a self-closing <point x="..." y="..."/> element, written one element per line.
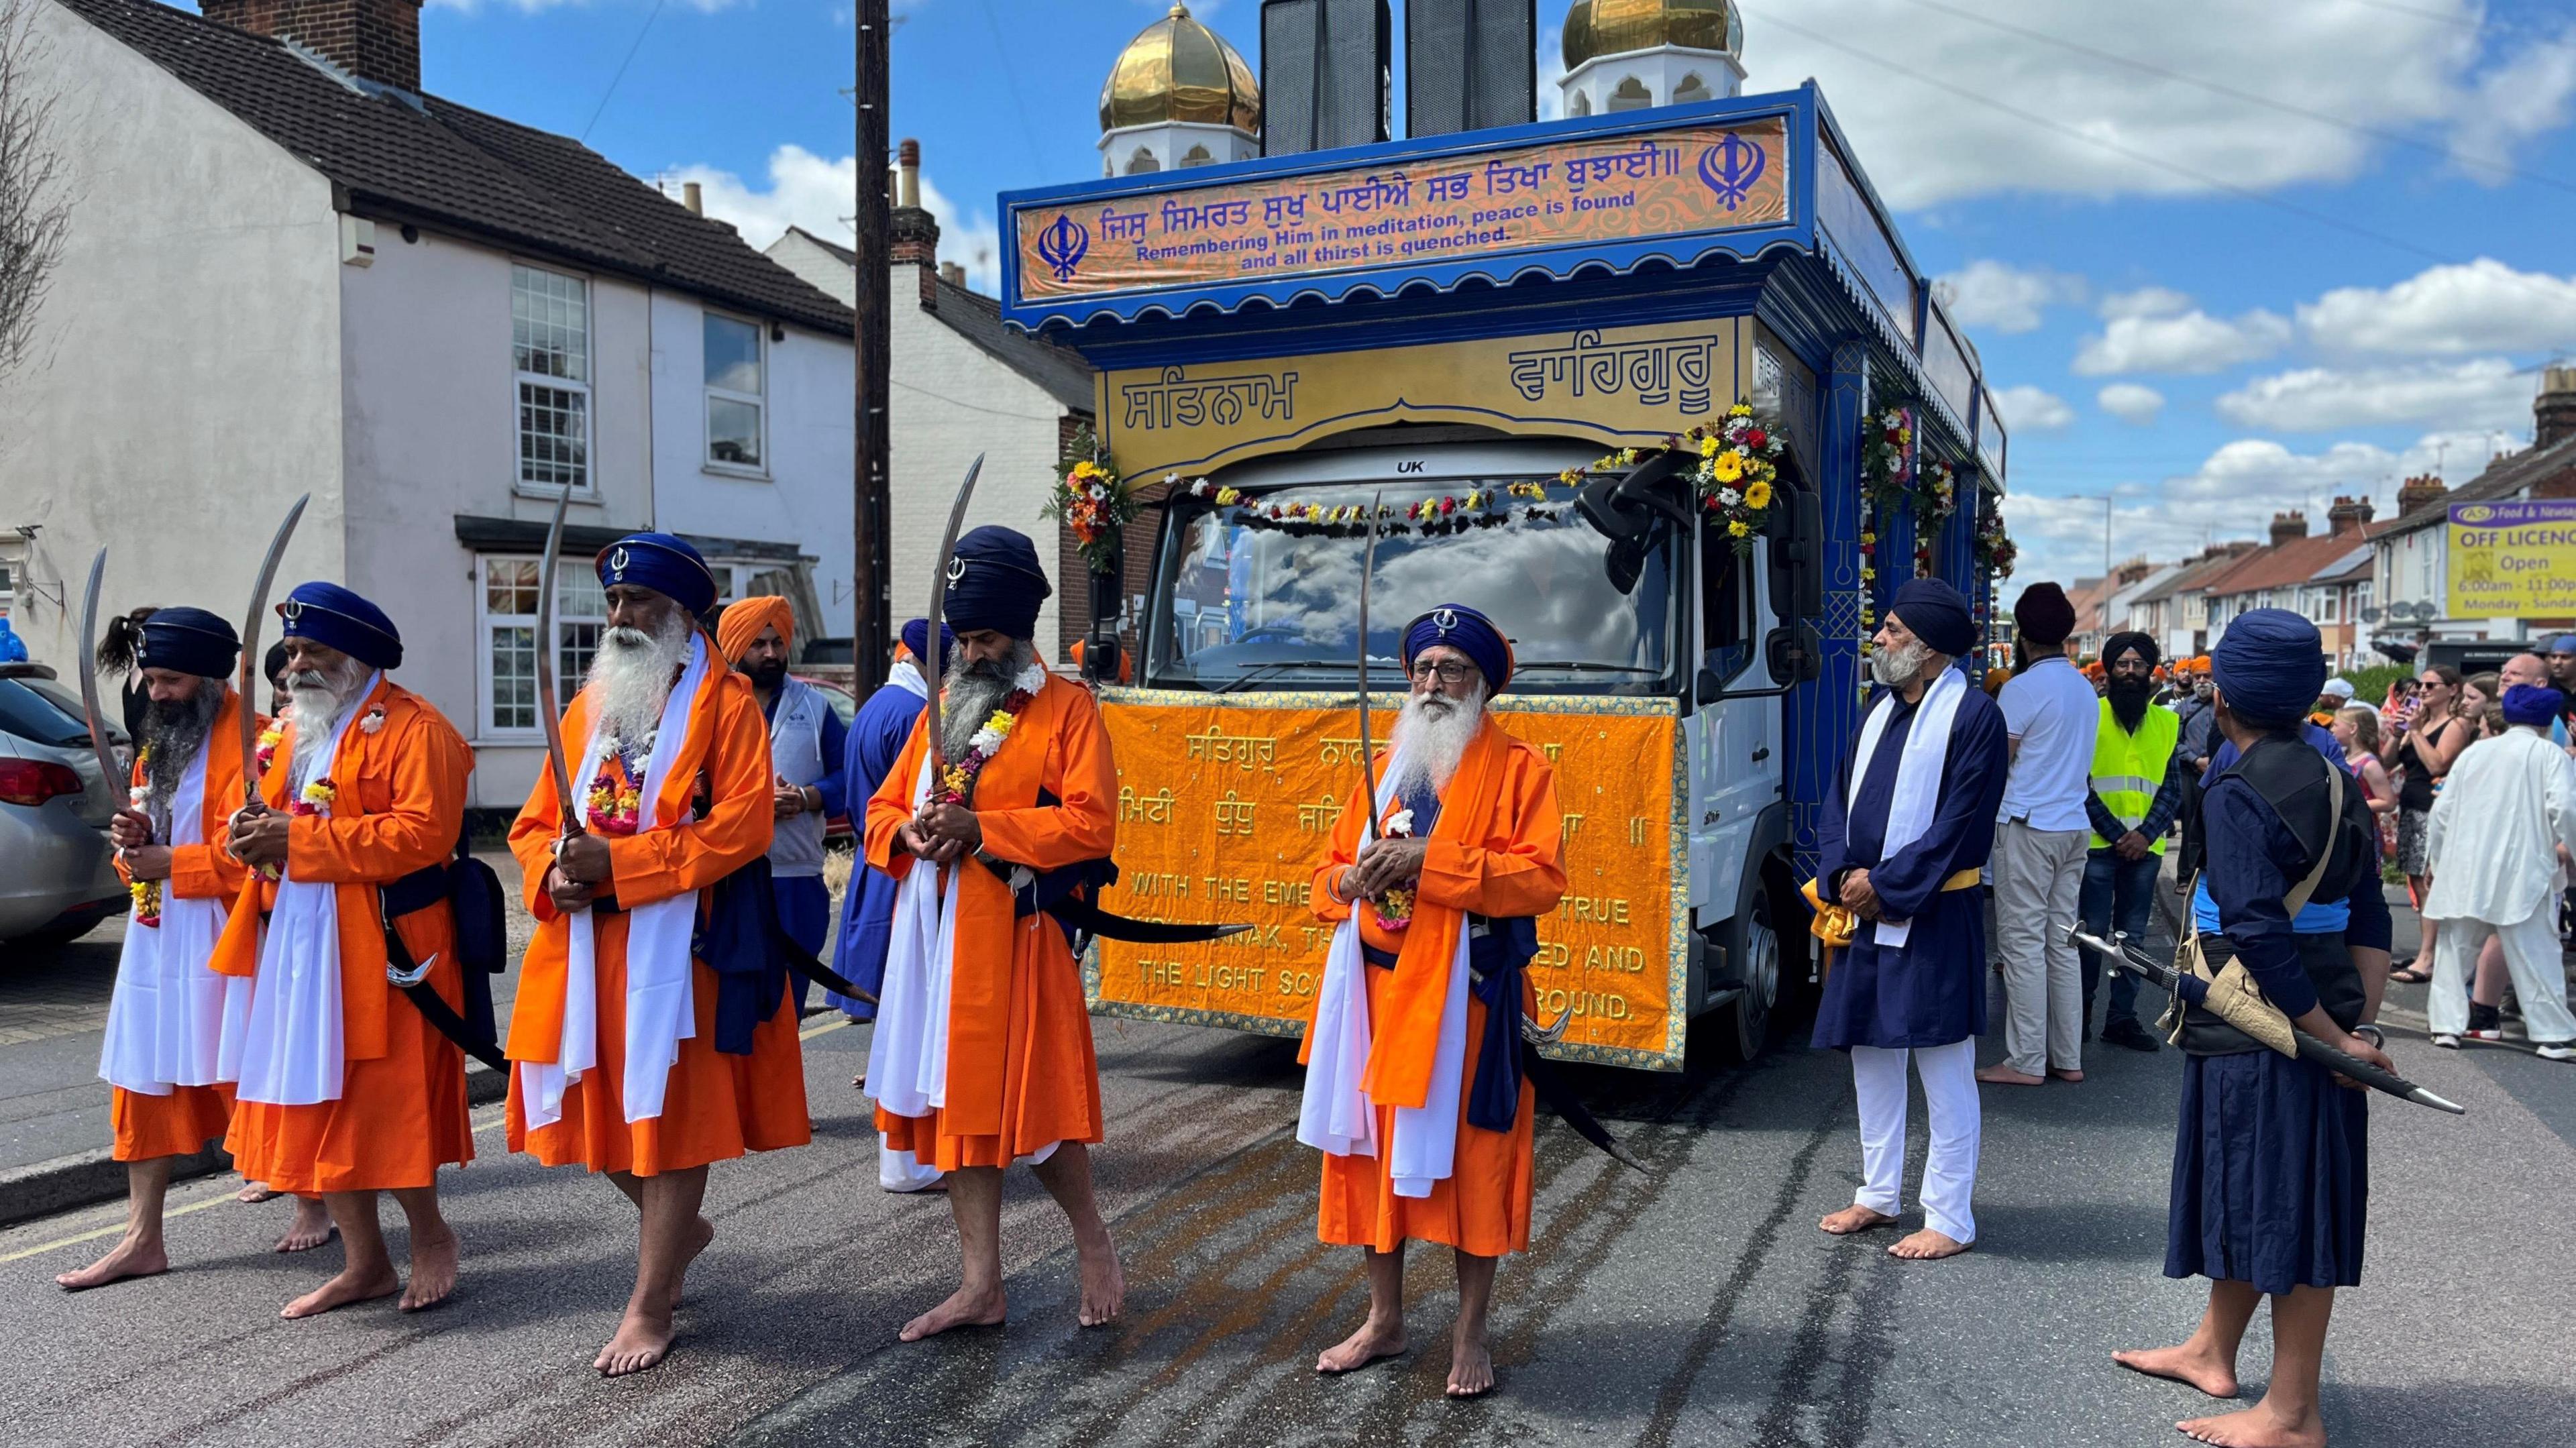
<point x="2505" y="808"/>
<point x="661" y="1010"/>
<point x="172" y="1021"/>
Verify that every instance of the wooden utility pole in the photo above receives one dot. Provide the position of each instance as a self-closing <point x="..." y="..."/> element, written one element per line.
<point x="872" y="569"/>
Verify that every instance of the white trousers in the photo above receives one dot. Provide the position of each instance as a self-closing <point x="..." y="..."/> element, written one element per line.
<point x="1950" y="1169"/>
<point x="2039" y="884"/>
<point x="901" y="1171"/>
<point x="2531" y="953"/>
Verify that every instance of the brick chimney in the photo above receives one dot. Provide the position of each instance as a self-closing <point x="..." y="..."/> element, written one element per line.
<point x="377" y="40"/>
<point x="2348" y="517"/>
<point x="2422" y="490"/>
<point x="2288" y="528"/>
<point x="913" y="234"/>
<point x="2554" y="411"/>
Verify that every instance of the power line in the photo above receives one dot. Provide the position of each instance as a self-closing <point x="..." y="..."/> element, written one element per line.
<point x="1028" y="132"/>
<point x="613" y="81"/>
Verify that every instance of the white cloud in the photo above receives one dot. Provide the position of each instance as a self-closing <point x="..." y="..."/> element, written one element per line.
<point x="2032" y="409"/>
<point x="1551" y="71"/>
<point x="2131" y="403"/>
<point x="2485" y="306"/>
<point x="2005" y="298"/>
<point x="2524" y="97"/>
<point x="2187" y="342"/>
<point x="817" y="194"/>
<point x="2145" y="302"/>
<point x="2484" y="392"/>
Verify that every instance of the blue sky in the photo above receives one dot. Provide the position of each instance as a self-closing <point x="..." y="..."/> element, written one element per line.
<point x="2222" y="257"/>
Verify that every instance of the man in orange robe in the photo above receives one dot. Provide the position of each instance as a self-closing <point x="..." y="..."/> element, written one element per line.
<point x="982" y="1054"/>
<point x="347" y="1090"/>
<point x="1413" y="1085"/>
<point x="632" y="1055"/>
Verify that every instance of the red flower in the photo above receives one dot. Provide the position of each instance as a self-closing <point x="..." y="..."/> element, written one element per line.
<point x="1448" y="505"/>
<point x="1756" y="438"/>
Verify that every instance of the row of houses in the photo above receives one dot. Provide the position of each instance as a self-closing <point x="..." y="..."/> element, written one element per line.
<point x="2364" y="580"/>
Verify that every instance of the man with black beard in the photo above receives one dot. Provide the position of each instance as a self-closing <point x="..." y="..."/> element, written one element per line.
<point x="806" y="743"/>
<point x="2138" y="774"/>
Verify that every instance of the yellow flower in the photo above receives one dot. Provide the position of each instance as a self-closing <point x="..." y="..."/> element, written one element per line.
<point x="1226" y="497"/>
<point x="954" y="782"/>
<point x="1739" y="528"/>
<point x="1757" y="495"/>
<point x="1001" y="722"/>
<point x="1708" y="447"/>
<point x="1740" y="409"/>
<point x="1728" y="466"/>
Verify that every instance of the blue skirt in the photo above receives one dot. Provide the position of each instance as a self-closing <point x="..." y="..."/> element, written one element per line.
<point x="2271" y="1178"/>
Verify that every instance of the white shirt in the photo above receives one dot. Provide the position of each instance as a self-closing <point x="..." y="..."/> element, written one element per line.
<point x="2505" y="806"/>
<point x="2051" y="712"/>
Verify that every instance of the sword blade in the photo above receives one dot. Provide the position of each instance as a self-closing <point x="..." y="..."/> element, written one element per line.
<point x="97" y="720"/>
<point x="250" y="659"/>
<point x="938" y="609"/>
<point x="1368" y="764"/>
<point x="548" y="707"/>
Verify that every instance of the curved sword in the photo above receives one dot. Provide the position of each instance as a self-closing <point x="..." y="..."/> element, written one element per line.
<point x="107" y="774"/>
<point x="938" y="609"/>
<point x="547" y="708"/>
<point x="250" y="655"/>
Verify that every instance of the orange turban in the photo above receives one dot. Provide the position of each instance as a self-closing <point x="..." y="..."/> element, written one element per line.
<point x="743" y="621"/>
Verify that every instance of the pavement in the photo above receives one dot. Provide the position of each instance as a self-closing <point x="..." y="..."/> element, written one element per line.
<point x="1693" y="1304"/>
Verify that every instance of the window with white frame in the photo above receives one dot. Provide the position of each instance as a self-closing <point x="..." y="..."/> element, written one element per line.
<point x="509" y="629"/>
<point x="550" y="351"/>
<point x="735" y="397"/>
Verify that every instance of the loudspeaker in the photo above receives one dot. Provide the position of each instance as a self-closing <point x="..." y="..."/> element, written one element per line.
<point x="1469" y="64"/>
<point x="1325" y="69"/>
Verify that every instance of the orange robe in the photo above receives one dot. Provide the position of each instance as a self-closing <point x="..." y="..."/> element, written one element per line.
<point x="1021" y="1072"/>
<point x="399" y="806"/>
<point x="715" y="1106"/>
<point x="182" y="1122"/>
<point x="1493" y="852"/>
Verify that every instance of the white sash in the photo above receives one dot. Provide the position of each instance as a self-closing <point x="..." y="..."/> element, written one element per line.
<point x="1917" y="796"/>
<point x="292" y="1051"/>
<point x="171" y="1018"/>
<point x="660" y="1009"/>
<point x="1335" y="1115"/>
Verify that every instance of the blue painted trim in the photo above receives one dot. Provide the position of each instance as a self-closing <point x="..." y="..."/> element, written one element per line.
<point x="1826" y="711"/>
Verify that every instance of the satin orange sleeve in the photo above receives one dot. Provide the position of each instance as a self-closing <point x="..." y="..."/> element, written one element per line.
<point x="429" y="763"/>
<point x="890" y="808"/>
<point x="1341" y="853"/>
<point x="1083" y="824"/>
<point x="205" y="872"/>
<point x="1518" y="871"/>
<point x="739" y="822"/>
<point x="532" y="840"/>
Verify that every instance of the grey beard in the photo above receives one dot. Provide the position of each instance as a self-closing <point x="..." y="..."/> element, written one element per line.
<point x="320" y="697"/>
<point x="633" y="673"/>
<point x="973" y="691"/>
<point x="1433" y="732"/>
<point x="1900" y="667"/>
<point x="172" y="736"/>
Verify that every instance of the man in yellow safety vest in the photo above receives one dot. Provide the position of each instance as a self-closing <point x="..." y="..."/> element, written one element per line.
<point x="2137" y="788"/>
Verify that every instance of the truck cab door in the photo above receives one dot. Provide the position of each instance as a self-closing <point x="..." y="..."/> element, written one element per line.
<point x="1732" y="725"/>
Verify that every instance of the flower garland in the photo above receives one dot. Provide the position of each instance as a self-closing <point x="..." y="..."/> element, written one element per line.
<point x="1091" y="500"/>
<point x="614" y="804"/>
<point x="1394" y="909"/>
<point x="957" y="786"/>
<point x="1996" y="552"/>
<point x="1431" y="517"/>
<point x="1936" y="499"/>
<point x="1886" y="454"/>
<point x="146" y="894"/>
<point x="265" y="753"/>
<point x="1738" y="478"/>
<point x="314" y="799"/>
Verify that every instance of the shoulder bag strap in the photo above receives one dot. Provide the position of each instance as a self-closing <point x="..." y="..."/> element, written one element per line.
<point x="2297" y="899"/>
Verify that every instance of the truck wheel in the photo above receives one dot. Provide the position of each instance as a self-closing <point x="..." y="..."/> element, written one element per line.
<point x="1759" y="950"/>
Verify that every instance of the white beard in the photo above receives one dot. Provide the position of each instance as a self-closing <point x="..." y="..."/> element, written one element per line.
<point x="632" y="674"/>
<point x="1899" y="667"/>
<point x="1434" y="731"/>
<point x="320" y="697"/>
<point x="974" y="691"/>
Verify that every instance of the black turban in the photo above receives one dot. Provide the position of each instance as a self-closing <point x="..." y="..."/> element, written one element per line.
<point x="2043" y="615"/>
<point x="996" y="582"/>
<point x="1938" y="615"/>
<point x="2122" y="643"/>
<point x="2269" y="667"/>
<point x="188" y="641"/>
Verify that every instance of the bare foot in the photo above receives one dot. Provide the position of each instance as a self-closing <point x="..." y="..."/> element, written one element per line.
<point x="698" y="1240"/>
<point x="2067" y="1076"/>
<point x="962" y="1309"/>
<point x="1855" y="1218"/>
<point x="2006" y="1076"/>
<point x="1927" y="1245"/>
<point x="642" y="1340"/>
<point x="129" y="1258"/>
<point x="342" y="1290"/>
<point x="255" y="1192"/>
<point x="311" y="1227"/>
<point x="2185" y="1364"/>
<point x="1372" y="1342"/>
<point x="2257" y="1427"/>
<point x="433" y="1270"/>
<point x="1471" y="1369"/>
<point x="1104" y="1286"/>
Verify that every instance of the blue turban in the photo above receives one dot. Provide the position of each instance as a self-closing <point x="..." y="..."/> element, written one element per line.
<point x="995" y="582"/>
<point x="2563" y="644"/>
<point x="2270" y="666"/>
<point x="188" y="641"/>
<point x="2531" y="704"/>
<point x="662" y="563"/>
<point x="1938" y="615"/>
<point x="916" y="637"/>
<point x="1470" y="633"/>
<point x="336" y="618"/>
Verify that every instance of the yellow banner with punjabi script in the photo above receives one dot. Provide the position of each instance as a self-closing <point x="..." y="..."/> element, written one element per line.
<point x="1226" y="809"/>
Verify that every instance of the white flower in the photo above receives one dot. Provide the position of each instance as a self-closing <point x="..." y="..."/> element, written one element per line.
<point x="1399" y="825"/>
<point x="1728" y="497"/>
<point x="138" y="794"/>
<point x="985" y="742"/>
<point x="373" y="720"/>
<point x="1170" y="478"/>
<point x="1031" y="679"/>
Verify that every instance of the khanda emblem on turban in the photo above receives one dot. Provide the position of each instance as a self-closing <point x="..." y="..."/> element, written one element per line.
<point x="294" y="610"/>
<point x="1063" y="245"/>
<point x="1445" y="620"/>
<point x="1731" y="167"/>
<point x="617" y="561"/>
<point x="956" y="568"/>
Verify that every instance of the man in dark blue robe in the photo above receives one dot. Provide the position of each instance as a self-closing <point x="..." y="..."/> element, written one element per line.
<point x="2271" y="1166"/>
<point x="1903" y="844"/>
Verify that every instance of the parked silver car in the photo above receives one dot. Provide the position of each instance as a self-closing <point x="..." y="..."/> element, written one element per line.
<point x="57" y="874"/>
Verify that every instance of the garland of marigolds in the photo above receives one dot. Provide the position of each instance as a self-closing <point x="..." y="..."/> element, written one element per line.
<point x="1091" y="500"/>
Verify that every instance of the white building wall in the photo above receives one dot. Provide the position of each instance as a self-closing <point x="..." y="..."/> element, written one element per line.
<point x="186" y="382"/>
<point x="820" y="269"/>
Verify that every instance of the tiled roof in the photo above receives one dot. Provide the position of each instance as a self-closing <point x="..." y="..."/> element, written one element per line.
<point x="449" y="167"/>
<point x="978" y="319"/>
<point x="2503" y="476"/>
<point x="2191" y="576"/>
<point x="2292" y="563"/>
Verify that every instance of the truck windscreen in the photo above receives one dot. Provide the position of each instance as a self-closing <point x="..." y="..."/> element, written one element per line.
<point x="1249" y="600"/>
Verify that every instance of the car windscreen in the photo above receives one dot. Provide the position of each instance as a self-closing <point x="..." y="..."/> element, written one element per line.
<point x="31" y="716"/>
<point x="1255" y="595"/>
<point x="53" y="692"/>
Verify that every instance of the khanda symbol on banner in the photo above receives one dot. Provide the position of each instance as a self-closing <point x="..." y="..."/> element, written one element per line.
<point x="1731" y="167"/>
<point x="1063" y="245"/>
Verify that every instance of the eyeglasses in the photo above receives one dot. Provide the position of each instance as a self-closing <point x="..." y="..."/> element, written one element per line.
<point x="1449" y="671"/>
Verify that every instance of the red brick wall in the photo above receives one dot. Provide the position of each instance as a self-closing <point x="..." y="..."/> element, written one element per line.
<point x="376" y="39"/>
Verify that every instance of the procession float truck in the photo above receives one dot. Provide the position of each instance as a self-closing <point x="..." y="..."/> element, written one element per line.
<point x="1526" y="348"/>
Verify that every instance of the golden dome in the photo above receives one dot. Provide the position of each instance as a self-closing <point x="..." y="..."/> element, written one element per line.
<point x="1179" y="70"/>
<point x="1595" y="28"/>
